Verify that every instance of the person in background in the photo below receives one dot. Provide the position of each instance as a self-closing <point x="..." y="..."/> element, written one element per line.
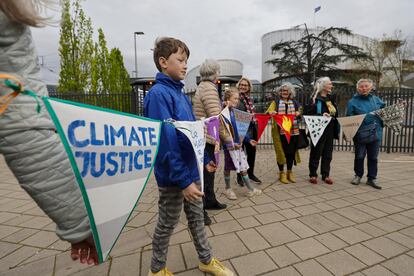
<point x="206" y="103"/>
<point x="286" y="152"/>
<point x="364" y="102"/>
<point x="323" y="104"/>
<point x="245" y="104"/>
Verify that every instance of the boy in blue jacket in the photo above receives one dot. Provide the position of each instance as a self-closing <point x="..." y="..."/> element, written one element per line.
<point x="176" y="167"/>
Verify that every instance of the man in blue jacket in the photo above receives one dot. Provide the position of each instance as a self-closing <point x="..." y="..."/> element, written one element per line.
<point x="363" y="103"/>
<point x="176" y="167"/>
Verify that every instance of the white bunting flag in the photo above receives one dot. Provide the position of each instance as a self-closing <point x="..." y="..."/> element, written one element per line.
<point x="392" y="116"/>
<point x="195" y="133"/>
<point x="316" y="126"/>
<point x="350" y="125"/>
<point x="112" y="155"/>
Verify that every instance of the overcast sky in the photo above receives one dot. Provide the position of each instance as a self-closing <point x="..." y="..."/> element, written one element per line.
<point x="218" y="29"/>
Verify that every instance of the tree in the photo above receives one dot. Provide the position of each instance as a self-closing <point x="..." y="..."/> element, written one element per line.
<point x="314" y="54"/>
<point x="100" y="70"/>
<point x="75" y="48"/>
<point x="118" y="80"/>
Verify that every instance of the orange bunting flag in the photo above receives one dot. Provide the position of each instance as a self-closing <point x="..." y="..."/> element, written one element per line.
<point x="262" y="120"/>
<point x="285" y="122"/>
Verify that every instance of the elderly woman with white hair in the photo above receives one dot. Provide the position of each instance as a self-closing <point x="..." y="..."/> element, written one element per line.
<point x="322" y="104"/>
<point x="206" y="103"/>
<point x="364" y="102"/>
<point x="286" y="152"/>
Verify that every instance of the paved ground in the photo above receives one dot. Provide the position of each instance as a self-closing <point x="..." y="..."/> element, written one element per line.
<point x="294" y="229"/>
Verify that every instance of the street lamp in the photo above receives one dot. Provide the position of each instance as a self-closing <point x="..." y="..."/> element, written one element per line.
<point x="135" y="47"/>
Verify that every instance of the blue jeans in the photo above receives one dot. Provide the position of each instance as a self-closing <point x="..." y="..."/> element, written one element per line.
<point x="371" y="150"/>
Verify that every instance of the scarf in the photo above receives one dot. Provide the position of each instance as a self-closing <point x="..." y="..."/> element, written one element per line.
<point x="288" y="108"/>
<point x="248" y="105"/>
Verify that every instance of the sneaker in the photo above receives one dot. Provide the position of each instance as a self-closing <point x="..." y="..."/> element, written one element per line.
<point x="255" y="192"/>
<point x="162" y="272"/>
<point x="215" y="206"/>
<point x="240" y="180"/>
<point x="374" y="184"/>
<point x="255" y="180"/>
<point x="207" y="219"/>
<point x="230" y="194"/>
<point x="356" y="180"/>
<point x="313" y="180"/>
<point x="328" y="180"/>
<point x="216" y="268"/>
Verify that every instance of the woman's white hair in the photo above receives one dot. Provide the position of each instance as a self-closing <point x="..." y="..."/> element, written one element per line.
<point x="319" y="86"/>
<point x="364" y="80"/>
<point x="209" y="70"/>
<point x="290" y="87"/>
<point x="27" y="12"/>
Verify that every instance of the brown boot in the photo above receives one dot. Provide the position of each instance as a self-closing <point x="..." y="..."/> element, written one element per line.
<point x="291" y="176"/>
<point x="282" y="177"/>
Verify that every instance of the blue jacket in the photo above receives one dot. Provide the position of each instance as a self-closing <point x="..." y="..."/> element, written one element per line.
<point x="359" y="105"/>
<point x="175" y="164"/>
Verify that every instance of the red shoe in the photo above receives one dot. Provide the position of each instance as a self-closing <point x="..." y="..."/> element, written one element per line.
<point x="313" y="180"/>
<point x="328" y="180"/>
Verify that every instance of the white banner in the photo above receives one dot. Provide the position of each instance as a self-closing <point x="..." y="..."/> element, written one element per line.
<point x="195" y="133"/>
<point x="316" y="126"/>
<point x="350" y="125"/>
<point x="112" y="155"/>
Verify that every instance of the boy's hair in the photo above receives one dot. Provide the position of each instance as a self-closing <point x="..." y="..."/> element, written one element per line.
<point x="229" y="92"/>
<point x="165" y="47"/>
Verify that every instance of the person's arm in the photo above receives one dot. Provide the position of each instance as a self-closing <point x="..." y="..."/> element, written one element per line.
<point x="158" y="107"/>
<point x="350" y="109"/>
<point x="211" y="102"/>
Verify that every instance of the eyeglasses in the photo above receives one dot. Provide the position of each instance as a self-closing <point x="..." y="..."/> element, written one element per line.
<point x="243" y="85"/>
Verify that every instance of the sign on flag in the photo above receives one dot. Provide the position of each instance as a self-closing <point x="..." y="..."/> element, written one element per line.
<point x="112" y="155"/>
<point x="213" y="127"/>
<point x="243" y="120"/>
<point x="316" y="126"/>
<point x="350" y="125"/>
<point x="285" y="122"/>
<point x="392" y="116"/>
<point x="194" y="130"/>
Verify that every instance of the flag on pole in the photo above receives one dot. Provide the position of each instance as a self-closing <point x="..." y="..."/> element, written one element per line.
<point x="318" y="8"/>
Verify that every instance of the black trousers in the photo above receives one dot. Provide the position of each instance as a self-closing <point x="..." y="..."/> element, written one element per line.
<point x="251" y="151"/>
<point x="209" y="194"/>
<point x="322" y="151"/>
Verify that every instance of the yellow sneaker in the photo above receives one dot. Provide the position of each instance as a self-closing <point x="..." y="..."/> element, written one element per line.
<point x="291" y="176"/>
<point x="162" y="272"/>
<point x="216" y="268"/>
<point x="283" y="178"/>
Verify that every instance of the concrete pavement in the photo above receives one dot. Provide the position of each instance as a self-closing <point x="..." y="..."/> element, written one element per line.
<point x="292" y="229"/>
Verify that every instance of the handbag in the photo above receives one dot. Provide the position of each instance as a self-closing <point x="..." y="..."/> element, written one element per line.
<point x="366" y="134"/>
<point x="303" y="140"/>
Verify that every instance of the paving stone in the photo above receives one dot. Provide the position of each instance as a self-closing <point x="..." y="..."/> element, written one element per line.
<point x="266" y="208"/>
<point x="284" y="205"/>
<point x="282" y="256"/>
<point x="42" y="267"/>
<point x="36" y="222"/>
<point x="307" y="248"/>
<point x="6" y="248"/>
<point x="364" y="254"/>
<point x="311" y="268"/>
<point x="386" y="224"/>
<point x="284" y="235"/>
<point x="299" y="228"/>
<point x="401" y="239"/>
<point x="351" y="235"/>
<point x="40" y="254"/>
<point x="223" y="216"/>
<point x="141" y="219"/>
<point x="377" y="270"/>
<point x="99" y="270"/>
<point x="288" y="271"/>
<point x="41" y="239"/>
<point x="385" y="207"/>
<point x="338" y="219"/>
<point x="323" y="206"/>
<point x="402" y="219"/>
<point x="331" y="241"/>
<point x="408" y="231"/>
<point x="6" y="230"/>
<point x="307" y="210"/>
<point x="252" y="239"/>
<point x="131" y="241"/>
<point x="370" y="210"/>
<point x="300" y="201"/>
<point x="370" y="229"/>
<point x="339" y="203"/>
<point x="243" y="212"/>
<point x="225" y="227"/>
<point x="269" y="217"/>
<point x="18" y="220"/>
<point x="354" y="214"/>
<point x="227" y="246"/>
<point x="5" y="216"/>
<point x="253" y="264"/>
<point x="385" y="247"/>
<point x="13" y="259"/>
<point x="248" y="222"/>
<point x="340" y="263"/>
<point x="319" y="223"/>
<point x="289" y="213"/>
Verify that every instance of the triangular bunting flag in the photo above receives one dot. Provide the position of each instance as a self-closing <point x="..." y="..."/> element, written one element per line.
<point x="285" y="122"/>
<point x="262" y="120"/>
<point x="226" y="113"/>
<point x="112" y="155"/>
<point x="350" y="125"/>
<point x="392" y="116"/>
<point x="243" y="120"/>
<point x="213" y="126"/>
<point x="316" y="126"/>
<point x="195" y="133"/>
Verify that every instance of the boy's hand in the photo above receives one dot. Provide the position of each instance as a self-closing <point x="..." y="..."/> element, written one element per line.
<point x="211" y="167"/>
<point x="85" y="251"/>
<point x="253" y="143"/>
<point x="192" y="193"/>
<point x="237" y="146"/>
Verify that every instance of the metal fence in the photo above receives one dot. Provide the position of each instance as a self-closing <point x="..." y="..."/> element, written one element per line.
<point x="132" y="102"/>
